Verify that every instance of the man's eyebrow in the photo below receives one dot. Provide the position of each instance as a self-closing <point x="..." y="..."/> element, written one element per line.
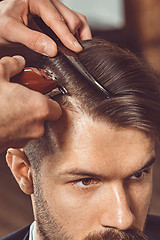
<point x="148" y="164"/>
<point x="83" y="172"/>
<point x="79" y="172"/>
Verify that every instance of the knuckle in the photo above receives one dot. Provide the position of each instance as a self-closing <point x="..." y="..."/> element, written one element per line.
<point x="61" y="18"/>
<point x="36" y="41"/>
<point x="6" y="27"/>
<point x="84" y="18"/>
<point x="55" y="19"/>
<point x="76" y="22"/>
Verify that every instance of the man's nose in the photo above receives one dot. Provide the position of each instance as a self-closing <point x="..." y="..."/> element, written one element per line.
<point x="116" y="211"/>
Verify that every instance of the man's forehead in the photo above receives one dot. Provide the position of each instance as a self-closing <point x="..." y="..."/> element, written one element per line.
<point x="77" y="125"/>
<point x="87" y="142"/>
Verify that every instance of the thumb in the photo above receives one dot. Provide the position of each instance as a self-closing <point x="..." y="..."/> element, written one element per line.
<point x="10" y="66"/>
<point x="55" y="110"/>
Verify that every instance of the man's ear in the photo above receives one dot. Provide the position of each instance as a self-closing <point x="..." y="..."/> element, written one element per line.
<point x="19" y="166"/>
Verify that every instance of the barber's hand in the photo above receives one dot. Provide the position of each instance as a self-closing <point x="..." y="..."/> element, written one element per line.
<point x="22" y="111"/>
<point x="16" y="16"/>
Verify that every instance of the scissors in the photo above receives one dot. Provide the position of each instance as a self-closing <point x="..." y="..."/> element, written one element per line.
<point x="43" y="80"/>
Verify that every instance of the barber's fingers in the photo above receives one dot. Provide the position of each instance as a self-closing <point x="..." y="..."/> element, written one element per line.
<point x="84" y="30"/>
<point x="55" y="20"/>
<point x="41" y="107"/>
<point x="35" y="40"/>
<point x="75" y="21"/>
<point x="71" y="19"/>
<point x="10" y="66"/>
<point x="55" y="110"/>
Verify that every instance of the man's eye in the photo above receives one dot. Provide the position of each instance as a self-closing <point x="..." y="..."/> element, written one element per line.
<point x="85" y="182"/>
<point x="139" y="175"/>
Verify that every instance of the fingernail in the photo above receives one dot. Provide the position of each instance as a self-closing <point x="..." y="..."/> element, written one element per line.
<point x="19" y="59"/>
<point x="78" y="46"/>
<point x="9" y="154"/>
<point x="50" y="50"/>
<point x="10" y="151"/>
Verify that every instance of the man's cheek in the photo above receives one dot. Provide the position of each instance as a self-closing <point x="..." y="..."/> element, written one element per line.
<point x="140" y="198"/>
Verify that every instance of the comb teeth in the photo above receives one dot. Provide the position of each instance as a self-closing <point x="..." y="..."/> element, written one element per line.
<point x="60" y="88"/>
<point x="49" y="73"/>
<point x="57" y="91"/>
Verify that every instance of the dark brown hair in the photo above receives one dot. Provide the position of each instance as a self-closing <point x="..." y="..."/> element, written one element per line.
<point x="134" y="89"/>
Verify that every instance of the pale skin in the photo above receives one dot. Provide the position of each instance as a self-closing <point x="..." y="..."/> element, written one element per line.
<point x="16" y="21"/>
<point x="97" y="179"/>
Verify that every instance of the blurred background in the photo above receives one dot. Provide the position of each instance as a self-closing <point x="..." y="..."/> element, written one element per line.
<point x="132" y="24"/>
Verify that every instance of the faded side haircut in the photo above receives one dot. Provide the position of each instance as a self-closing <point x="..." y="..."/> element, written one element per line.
<point x="134" y="88"/>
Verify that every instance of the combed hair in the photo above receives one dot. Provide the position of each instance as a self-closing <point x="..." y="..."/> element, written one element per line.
<point x="133" y="86"/>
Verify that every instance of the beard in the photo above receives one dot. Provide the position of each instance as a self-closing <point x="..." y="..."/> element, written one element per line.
<point x="113" y="234"/>
<point x="49" y="228"/>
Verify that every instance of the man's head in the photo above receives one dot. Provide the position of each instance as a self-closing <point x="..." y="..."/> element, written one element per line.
<point x="90" y="175"/>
